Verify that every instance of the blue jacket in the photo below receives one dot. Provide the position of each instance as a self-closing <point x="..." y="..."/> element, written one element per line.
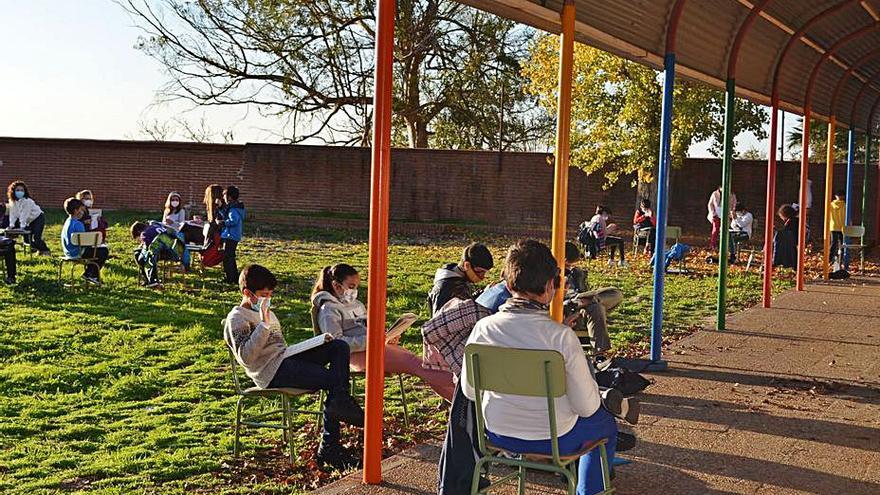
<point x="233" y="221"/>
<point x="71" y="226"/>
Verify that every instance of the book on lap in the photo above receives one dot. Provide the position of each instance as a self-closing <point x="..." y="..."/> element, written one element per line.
<point x="403" y="323"/>
<point x="307" y="344"/>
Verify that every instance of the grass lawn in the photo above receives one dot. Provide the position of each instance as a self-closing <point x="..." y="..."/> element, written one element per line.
<point x="121" y="389"/>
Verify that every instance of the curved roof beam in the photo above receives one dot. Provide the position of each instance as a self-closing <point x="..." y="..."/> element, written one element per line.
<point x="871" y="55"/>
<point x="741" y="33"/>
<point x="861" y="93"/>
<point x="780" y="61"/>
<point x="870" y="125"/>
<point x="672" y="25"/>
<point x="814" y="74"/>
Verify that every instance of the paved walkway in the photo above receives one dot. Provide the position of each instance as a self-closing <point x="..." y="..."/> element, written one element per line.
<point x="787" y="401"/>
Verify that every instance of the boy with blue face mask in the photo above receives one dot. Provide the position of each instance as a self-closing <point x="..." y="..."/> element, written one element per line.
<point x="253" y="333"/>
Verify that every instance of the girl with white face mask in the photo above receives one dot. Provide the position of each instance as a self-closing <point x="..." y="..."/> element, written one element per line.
<point x="338" y="312"/>
<point x="99" y="224"/>
<point x="175" y="214"/>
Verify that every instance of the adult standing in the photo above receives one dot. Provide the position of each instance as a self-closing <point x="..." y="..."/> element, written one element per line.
<point x="714" y="215"/>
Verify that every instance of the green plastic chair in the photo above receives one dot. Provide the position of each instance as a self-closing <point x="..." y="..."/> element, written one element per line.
<point x="263" y="420"/>
<point x="531" y="373"/>
<point x="401" y="399"/>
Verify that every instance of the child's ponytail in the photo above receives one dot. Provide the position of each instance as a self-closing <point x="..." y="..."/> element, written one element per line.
<point x="324" y="281"/>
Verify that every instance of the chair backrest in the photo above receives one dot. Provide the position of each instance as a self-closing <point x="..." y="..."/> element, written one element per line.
<point x="673" y="232"/>
<point x="531" y="373"/>
<point x="86" y="239"/>
<point x="854" y="231"/>
<point x="233" y="364"/>
<point x="314" y="312"/>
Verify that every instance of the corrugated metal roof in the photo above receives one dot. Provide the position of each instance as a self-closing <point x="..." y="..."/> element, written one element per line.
<point x="636" y="29"/>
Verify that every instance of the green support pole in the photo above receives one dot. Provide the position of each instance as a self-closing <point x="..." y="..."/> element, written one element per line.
<point x="865" y="175"/>
<point x="726" y="174"/>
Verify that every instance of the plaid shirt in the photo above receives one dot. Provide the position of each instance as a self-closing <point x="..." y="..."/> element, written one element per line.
<point x="444" y="335"/>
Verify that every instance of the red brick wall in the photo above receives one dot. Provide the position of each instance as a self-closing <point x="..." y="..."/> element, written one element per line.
<point x="428" y="185"/>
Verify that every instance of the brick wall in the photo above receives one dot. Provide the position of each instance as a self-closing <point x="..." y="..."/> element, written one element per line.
<point x="428" y="185"/>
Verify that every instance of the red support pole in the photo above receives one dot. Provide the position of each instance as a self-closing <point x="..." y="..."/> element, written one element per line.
<point x="771" y="205"/>
<point x="378" y="264"/>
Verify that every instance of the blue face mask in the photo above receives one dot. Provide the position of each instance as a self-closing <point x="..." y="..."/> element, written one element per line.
<point x="19" y="194"/>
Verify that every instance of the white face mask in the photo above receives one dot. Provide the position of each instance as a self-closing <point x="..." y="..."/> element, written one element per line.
<point x="88" y="203"/>
<point x="349" y="296"/>
<point x="175" y="204"/>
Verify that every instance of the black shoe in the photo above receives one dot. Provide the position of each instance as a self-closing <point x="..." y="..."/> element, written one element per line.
<point x="483" y="483"/>
<point x="345" y="409"/>
<point x="336" y="457"/>
<point x="10" y="280"/>
<point x="625" y="441"/>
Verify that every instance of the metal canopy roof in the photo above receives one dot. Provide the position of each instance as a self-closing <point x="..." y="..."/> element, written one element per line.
<point x="636" y="30"/>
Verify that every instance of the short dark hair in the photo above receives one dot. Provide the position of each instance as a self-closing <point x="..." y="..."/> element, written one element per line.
<point x="137" y="229"/>
<point x="478" y="255"/>
<point x="787" y="211"/>
<point x="603" y="209"/>
<point x="572" y="253"/>
<point x="232" y="193"/>
<point x="256" y="277"/>
<point x="71" y="205"/>
<point x="529" y="266"/>
<point x="840" y="193"/>
<point x="646" y="202"/>
<point x="740" y="207"/>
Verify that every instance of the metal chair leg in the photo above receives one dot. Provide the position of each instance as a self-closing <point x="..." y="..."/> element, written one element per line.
<point x="403" y="401"/>
<point x="522" y="480"/>
<point x="286" y="411"/>
<point x="236" y="446"/>
<point x="321" y="412"/>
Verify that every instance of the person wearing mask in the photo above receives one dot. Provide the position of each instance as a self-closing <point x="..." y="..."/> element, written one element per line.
<point x="75" y="211"/>
<point x="516" y="423"/>
<point x="24" y="213"/>
<point x="157" y="242"/>
<point x="232" y="218"/>
<point x="97" y="224"/>
<point x="253" y="334"/>
<point x="740" y="229"/>
<point x="343" y="316"/>
<point x="458" y="280"/>
<point x="714" y="215"/>
<point x="174" y="215"/>
<point x="644" y="219"/>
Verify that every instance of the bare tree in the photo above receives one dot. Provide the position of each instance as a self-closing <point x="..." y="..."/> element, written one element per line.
<point x="310" y="62"/>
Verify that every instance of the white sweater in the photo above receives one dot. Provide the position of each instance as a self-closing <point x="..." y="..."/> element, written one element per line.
<point x="24" y="211"/>
<point x="258" y="348"/>
<point x="526" y="417"/>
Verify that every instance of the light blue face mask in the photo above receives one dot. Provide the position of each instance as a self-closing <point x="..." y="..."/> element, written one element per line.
<point x="260" y="302"/>
<point x="19" y="194"/>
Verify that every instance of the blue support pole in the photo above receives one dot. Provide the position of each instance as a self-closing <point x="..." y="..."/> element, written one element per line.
<point x="662" y="207"/>
<point x="850" y="168"/>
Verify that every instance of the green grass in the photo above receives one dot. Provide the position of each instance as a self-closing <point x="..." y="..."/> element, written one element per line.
<point x="122" y="389"/>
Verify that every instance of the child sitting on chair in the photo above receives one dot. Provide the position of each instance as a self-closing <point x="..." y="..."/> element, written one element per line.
<point x="343" y="316"/>
<point x="157" y="242"/>
<point x="96" y="224"/>
<point x="75" y="211"/>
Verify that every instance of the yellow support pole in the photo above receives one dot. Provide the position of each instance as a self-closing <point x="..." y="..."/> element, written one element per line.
<point x="829" y="185"/>
<point x="563" y="131"/>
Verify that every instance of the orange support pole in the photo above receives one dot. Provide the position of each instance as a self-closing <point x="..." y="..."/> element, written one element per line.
<point x="380" y="176"/>
<point x="802" y="216"/>
<point x="829" y="186"/>
<point x="563" y="132"/>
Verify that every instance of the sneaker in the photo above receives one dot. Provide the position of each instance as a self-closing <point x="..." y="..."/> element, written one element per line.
<point x="622" y="264"/>
<point x="610" y="262"/>
<point x="337" y="457"/>
<point x="625" y="441"/>
<point x="153" y="285"/>
<point x="90" y="279"/>
<point x="345" y="409"/>
<point x="10" y="280"/>
<point x="45" y="253"/>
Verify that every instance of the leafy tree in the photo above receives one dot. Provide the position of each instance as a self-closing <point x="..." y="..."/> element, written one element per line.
<point x="616" y="110"/>
<point x="794" y="143"/>
<point x="311" y="62"/>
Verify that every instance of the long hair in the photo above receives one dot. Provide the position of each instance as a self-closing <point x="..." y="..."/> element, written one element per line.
<point x="10" y="191"/>
<point x="338" y="273"/>
<point x="170" y="209"/>
<point x="213" y="193"/>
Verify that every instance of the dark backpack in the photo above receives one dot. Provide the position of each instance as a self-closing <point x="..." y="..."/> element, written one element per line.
<point x="587" y="238"/>
<point x="626" y="381"/>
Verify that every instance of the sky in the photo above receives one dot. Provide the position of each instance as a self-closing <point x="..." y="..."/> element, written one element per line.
<point x="69" y="70"/>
